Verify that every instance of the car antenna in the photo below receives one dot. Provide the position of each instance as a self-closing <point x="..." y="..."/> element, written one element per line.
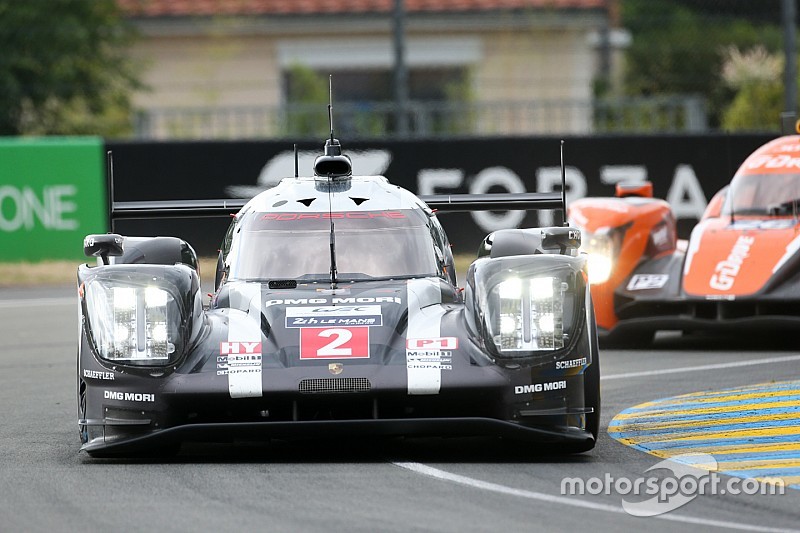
<point x="296" y="166"/>
<point x="563" y="187"/>
<point x="335" y="166"/>
<point x="110" y="171"/>
<point x="330" y="183"/>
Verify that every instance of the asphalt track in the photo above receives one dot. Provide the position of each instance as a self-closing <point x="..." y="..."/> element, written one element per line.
<point x="399" y="485"/>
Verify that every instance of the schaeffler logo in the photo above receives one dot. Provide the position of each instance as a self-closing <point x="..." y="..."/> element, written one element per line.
<point x="725" y="272"/>
<point x="659" y="494"/>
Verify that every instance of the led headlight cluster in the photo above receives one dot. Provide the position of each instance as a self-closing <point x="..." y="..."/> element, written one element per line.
<point x="133" y="324"/>
<point x="530" y="314"/>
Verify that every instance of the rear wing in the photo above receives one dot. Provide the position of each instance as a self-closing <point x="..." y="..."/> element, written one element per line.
<point x="438" y="202"/>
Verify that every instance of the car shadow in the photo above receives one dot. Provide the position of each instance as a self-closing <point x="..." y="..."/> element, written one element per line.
<point x="718" y="342"/>
<point x="344" y="450"/>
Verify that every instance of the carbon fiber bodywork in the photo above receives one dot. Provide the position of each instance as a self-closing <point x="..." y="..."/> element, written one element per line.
<point x="291" y="346"/>
<point x="466" y="391"/>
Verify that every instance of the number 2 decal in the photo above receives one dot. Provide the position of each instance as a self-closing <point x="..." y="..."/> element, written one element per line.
<point x="334" y="343"/>
<point x="333" y="348"/>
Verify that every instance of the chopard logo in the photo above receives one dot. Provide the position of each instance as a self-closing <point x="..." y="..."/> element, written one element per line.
<point x="726" y="271"/>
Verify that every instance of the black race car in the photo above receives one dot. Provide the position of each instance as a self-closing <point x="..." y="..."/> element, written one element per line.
<point x="336" y="312"/>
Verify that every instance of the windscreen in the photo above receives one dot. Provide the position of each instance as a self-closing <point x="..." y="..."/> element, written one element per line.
<point x="369" y="245"/>
<point x="763" y="194"/>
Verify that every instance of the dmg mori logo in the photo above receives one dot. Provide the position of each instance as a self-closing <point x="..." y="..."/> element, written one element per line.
<point x="129" y="396"/>
<point x="540" y="387"/>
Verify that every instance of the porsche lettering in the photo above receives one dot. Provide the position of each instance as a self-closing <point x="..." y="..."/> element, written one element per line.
<point x="726" y="271"/>
<point x="285" y="217"/>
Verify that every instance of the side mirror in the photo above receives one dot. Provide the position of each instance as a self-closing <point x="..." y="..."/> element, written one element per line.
<point x="567" y="239"/>
<point x="103" y="246"/>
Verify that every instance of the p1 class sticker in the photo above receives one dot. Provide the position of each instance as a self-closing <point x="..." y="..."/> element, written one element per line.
<point x="439" y="343"/>
<point x="424" y="328"/>
<point x="334" y="343"/>
<point x="641" y="282"/>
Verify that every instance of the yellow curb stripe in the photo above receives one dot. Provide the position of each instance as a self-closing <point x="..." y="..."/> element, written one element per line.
<point x="757" y="463"/>
<point x="736" y="397"/>
<point x="645" y="426"/>
<point x="730" y="448"/>
<point x="707" y="410"/>
<point x="732" y="434"/>
<point x="787" y="480"/>
<point x="736" y="390"/>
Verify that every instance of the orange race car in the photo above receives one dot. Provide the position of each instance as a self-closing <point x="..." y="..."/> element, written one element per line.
<point x="739" y="270"/>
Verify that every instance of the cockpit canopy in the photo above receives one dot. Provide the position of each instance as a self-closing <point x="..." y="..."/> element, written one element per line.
<point x="378" y="244"/>
<point x="763" y="195"/>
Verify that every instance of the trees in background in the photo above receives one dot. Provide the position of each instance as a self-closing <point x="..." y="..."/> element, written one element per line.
<point x="681" y="47"/>
<point x="64" y="68"/>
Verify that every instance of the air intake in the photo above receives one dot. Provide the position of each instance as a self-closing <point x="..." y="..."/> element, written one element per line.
<point x="333" y="164"/>
<point x="311" y="386"/>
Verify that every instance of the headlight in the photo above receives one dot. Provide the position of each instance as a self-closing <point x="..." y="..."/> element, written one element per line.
<point x="137" y="320"/>
<point x="601" y="250"/>
<point x="529" y="314"/>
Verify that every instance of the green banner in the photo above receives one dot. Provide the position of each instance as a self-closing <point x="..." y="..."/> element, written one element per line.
<point x="52" y="193"/>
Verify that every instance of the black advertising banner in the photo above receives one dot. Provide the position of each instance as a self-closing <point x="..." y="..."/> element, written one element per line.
<point x="685" y="170"/>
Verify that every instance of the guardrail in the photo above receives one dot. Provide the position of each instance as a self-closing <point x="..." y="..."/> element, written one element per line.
<point x="432" y="119"/>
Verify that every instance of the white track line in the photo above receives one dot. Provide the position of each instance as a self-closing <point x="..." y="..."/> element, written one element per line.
<point x="680" y="370"/>
<point x="38" y="302"/>
<point x="573" y="502"/>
